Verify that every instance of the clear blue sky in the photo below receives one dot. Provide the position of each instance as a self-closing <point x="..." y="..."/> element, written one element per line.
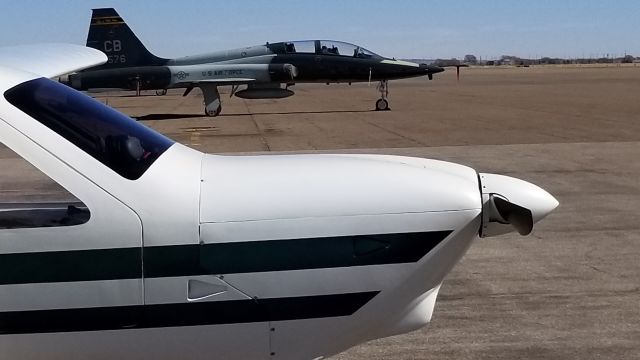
<point x="404" y="29"/>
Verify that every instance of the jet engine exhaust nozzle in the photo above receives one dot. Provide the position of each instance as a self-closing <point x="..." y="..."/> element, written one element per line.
<point x="512" y="204"/>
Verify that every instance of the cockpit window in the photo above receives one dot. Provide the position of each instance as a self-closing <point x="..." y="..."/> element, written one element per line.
<point x="328" y="47"/>
<point x="31" y="199"/>
<point x="308" y="47"/>
<point x="119" y="142"/>
<point x="364" y="53"/>
<point x="323" y="47"/>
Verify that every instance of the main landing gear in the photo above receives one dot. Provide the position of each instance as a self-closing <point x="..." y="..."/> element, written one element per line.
<point x="161" y="92"/>
<point x="382" y="103"/>
<point x="212" y="102"/>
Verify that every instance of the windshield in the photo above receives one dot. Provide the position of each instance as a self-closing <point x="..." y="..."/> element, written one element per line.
<point x="119" y="142"/>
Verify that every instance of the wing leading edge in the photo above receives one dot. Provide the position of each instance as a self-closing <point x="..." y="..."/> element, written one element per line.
<point x="50" y="60"/>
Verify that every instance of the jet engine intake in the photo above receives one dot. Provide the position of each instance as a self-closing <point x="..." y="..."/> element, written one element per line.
<point x="283" y="72"/>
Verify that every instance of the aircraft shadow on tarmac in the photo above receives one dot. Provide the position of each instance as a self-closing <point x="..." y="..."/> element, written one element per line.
<point x="106" y="94"/>
<point x="299" y="112"/>
<point x="190" y="116"/>
<point x="134" y="95"/>
<point x="167" y="116"/>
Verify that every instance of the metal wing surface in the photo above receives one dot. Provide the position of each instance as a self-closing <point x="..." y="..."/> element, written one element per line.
<point x="50" y="60"/>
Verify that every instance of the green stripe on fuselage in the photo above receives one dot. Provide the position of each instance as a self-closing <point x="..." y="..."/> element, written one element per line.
<point x="218" y="258"/>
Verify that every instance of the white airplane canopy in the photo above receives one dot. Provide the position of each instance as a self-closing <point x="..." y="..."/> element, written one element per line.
<point x="50" y="60"/>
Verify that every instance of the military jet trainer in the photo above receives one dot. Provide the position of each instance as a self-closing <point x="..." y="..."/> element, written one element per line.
<point x="264" y="71"/>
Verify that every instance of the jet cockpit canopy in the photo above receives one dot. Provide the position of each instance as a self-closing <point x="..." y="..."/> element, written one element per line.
<point x="322" y="47"/>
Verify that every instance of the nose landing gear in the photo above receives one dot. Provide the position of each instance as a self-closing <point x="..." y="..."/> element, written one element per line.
<point x="213" y="105"/>
<point x="382" y="103"/>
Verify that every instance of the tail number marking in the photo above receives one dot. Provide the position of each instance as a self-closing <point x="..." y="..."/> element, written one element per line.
<point x="117" y="59"/>
<point x="112" y="46"/>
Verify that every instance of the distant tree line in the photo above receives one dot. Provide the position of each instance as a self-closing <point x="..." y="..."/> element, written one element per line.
<point x="518" y="61"/>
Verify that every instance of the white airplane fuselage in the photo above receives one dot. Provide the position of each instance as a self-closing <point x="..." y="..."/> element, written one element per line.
<point x="257" y="202"/>
<point x="218" y="257"/>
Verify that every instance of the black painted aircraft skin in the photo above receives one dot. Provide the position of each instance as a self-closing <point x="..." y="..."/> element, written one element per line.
<point x="262" y="68"/>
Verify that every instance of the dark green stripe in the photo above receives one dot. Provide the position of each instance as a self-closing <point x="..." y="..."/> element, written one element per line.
<point x="219" y="258"/>
<point x="282" y="255"/>
<point x="183" y="314"/>
<point x="67" y="266"/>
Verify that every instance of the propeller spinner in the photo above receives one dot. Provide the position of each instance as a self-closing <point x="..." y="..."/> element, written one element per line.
<point x="512" y="204"/>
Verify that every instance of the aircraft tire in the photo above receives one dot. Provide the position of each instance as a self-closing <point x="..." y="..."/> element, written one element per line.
<point x="382" y="105"/>
<point x="214" y="113"/>
<point x="161" y="92"/>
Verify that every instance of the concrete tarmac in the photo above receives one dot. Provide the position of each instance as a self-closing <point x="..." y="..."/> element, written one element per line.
<point x="487" y="107"/>
<point x="570" y="290"/>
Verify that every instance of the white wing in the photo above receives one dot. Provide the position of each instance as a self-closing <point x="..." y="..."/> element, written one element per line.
<point x="50" y="60"/>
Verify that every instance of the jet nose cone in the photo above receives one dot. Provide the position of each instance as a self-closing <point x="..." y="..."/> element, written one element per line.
<point x="435" y="69"/>
<point x="431" y="69"/>
<point x="510" y="203"/>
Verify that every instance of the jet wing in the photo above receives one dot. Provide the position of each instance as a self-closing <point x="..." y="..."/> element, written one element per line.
<point x="50" y="60"/>
<point x="230" y="74"/>
<point x="229" y="81"/>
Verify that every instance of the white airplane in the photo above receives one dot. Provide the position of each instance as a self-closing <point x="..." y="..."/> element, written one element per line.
<point x="176" y="254"/>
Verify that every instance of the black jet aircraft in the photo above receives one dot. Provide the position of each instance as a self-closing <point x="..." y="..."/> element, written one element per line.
<point x="263" y="71"/>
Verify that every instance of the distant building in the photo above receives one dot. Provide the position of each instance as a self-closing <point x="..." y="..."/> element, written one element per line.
<point x="470" y="60"/>
<point x="509" y="60"/>
<point x="445" y="62"/>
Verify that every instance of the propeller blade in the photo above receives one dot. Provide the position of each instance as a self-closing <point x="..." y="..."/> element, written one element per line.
<point x="519" y="217"/>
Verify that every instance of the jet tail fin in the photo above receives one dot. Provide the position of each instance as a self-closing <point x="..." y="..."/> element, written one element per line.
<point x="111" y="35"/>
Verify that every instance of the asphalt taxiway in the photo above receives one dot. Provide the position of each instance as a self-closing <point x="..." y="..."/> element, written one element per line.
<point x="570" y="290"/>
